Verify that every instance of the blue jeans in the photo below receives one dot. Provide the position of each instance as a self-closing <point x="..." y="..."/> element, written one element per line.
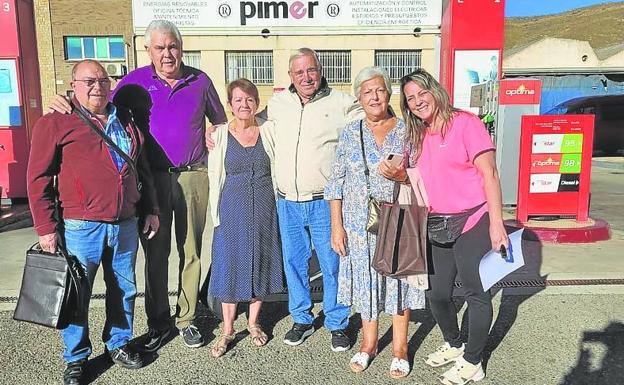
<point x="115" y="247"/>
<point x="294" y="218"/>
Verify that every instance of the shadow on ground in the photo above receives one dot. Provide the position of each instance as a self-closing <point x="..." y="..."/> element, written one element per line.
<point x="609" y="371"/>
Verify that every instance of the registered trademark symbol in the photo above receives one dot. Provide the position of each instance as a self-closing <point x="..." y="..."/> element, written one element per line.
<point x="333" y="10"/>
<point x="224" y="10"/>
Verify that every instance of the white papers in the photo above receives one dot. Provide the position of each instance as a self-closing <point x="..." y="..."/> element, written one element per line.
<point x="494" y="267"/>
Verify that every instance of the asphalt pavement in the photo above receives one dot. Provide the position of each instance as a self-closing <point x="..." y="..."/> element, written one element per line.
<point x="549" y="339"/>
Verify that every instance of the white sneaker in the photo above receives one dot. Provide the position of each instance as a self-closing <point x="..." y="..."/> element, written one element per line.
<point x="462" y="373"/>
<point x="445" y="354"/>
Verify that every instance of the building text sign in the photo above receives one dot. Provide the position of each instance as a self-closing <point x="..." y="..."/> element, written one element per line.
<point x="245" y="17"/>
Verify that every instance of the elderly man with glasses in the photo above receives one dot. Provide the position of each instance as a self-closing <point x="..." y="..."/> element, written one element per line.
<point x="100" y="196"/>
<point x="309" y="117"/>
<point x="180" y="98"/>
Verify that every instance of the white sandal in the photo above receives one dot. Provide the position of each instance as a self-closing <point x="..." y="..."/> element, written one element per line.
<point x="401" y="366"/>
<point x="359" y="362"/>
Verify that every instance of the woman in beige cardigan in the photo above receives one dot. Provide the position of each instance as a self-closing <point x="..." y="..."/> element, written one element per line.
<point x="246" y="250"/>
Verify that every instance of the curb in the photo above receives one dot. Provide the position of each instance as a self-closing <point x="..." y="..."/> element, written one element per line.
<point x="606" y="164"/>
<point x="16" y="221"/>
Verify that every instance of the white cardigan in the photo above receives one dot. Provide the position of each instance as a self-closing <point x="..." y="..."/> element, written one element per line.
<point x="216" y="161"/>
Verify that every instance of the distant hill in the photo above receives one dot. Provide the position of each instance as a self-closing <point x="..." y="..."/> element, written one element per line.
<point x="602" y="25"/>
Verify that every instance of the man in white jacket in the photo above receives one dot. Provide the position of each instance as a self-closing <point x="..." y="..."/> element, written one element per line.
<point x="308" y="117"/>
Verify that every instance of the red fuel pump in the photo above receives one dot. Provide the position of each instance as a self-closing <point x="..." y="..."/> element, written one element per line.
<point x="472" y="40"/>
<point x="20" y="93"/>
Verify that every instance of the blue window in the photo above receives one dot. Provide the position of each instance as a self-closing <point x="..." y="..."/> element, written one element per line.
<point x="73" y="47"/>
<point x="95" y="47"/>
<point x="116" y="47"/>
<point x="89" y="47"/>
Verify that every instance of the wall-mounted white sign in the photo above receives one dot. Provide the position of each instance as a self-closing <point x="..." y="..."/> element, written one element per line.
<point x="290" y="16"/>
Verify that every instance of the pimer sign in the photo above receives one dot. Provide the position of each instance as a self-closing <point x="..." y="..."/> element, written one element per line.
<point x="555" y="165"/>
<point x="276" y="10"/>
<point x="291" y="16"/>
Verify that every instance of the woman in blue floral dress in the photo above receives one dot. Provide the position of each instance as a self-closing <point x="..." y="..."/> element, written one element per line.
<point x="359" y="285"/>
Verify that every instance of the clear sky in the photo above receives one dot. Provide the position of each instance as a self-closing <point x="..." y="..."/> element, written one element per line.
<point x="546" y="7"/>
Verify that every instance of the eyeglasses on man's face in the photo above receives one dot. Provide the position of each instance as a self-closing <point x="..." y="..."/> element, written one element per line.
<point x="90" y="82"/>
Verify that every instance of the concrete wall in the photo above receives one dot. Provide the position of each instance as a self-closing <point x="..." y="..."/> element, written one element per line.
<point x="553" y="53"/>
<point x="616" y="60"/>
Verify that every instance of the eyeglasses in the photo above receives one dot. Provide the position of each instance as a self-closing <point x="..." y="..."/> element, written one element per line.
<point x="90" y="82"/>
<point x="310" y="71"/>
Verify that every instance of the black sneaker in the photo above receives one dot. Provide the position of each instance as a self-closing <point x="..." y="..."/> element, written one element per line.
<point x="152" y="340"/>
<point x="191" y="336"/>
<point x="74" y="373"/>
<point x="339" y="341"/>
<point x="298" y="333"/>
<point x="126" y="357"/>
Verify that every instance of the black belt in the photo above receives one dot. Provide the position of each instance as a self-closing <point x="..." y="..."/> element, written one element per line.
<point x="174" y="170"/>
<point x="315" y="196"/>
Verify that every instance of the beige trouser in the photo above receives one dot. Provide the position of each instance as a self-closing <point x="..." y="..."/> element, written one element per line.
<point x="185" y="196"/>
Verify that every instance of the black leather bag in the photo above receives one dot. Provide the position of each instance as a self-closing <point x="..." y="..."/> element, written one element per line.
<point x="446" y="228"/>
<point x="52" y="292"/>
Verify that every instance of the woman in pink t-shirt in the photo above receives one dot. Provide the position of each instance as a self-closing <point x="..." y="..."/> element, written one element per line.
<point x="455" y="156"/>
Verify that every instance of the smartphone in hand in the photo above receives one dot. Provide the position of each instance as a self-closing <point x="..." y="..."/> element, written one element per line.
<point x="395" y="159"/>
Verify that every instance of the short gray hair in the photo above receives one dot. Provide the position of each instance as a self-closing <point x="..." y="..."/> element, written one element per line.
<point x="304" y="52"/>
<point x="163" y="26"/>
<point x="368" y="73"/>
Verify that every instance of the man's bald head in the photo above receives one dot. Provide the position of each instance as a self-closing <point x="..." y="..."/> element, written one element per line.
<point x="86" y="61"/>
<point x="91" y="85"/>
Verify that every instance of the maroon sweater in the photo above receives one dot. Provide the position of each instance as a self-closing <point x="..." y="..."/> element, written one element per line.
<point x="89" y="185"/>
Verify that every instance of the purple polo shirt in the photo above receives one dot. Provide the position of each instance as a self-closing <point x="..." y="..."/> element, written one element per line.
<point x="177" y="116"/>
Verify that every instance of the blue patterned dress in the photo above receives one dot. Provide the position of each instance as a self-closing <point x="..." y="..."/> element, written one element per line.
<point x="359" y="285"/>
<point x="246" y="249"/>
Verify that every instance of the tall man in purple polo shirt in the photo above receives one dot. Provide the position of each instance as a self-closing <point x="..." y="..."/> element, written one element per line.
<point x="182" y="97"/>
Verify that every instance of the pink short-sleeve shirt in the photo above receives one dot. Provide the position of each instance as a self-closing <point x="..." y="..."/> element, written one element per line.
<point x="451" y="179"/>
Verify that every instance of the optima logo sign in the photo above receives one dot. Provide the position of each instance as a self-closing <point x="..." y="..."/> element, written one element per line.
<point x="276" y="10"/>
<point x="521" y="90"/>
<point x="546" y="163"/>
<point x="525" y="91"/>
